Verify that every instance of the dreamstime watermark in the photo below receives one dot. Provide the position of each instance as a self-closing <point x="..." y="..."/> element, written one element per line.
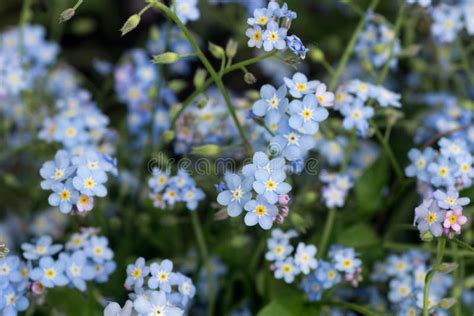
<point x="207" y="166"/>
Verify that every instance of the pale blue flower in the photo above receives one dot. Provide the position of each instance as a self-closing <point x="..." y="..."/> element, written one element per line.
<point x="50" y="273"/>
<point x="286" y="270"/>
<point x="306" y="114"/>
<point x="12" y="301"/>
<point x="419" y="163"/>
<point x="42" y="248"/>
<point x="261" y="212"/>
<point x="274" y="37"/>
<point x="77" y="269"/>
<point x="299" y="85"/>
<point x="327" y="274"/>
<point x="155" y="304"/>
<point x="356" y="116"/>
<point x="450" y="200"/>
<point x="90" y="183"/>
<point x="305" y="257"/>
<point x="271" y="185"/>
<point x="237" y="193"/>
<point x="429" y="217"/>
<point x="64" y="195"/>
<point x="136" y="273"/>
<point x="161" y="276"/>
<point x="57" y="170"/>
<point x="186" y="10"/>
<point x="98" y="250"/>
<point x="272" y="100"/>
<point x="296" y="46"/>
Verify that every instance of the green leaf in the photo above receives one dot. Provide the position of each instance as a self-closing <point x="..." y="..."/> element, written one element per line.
<point x="358" y="235"/>
<point x="288" y="305"/>
<point x="368" y="190"/>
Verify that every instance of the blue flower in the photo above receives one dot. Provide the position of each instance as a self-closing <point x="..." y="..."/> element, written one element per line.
<point x="77" y="269"/>
<point x="97" y="249"/>
<point x="450" y="200"/>
<point x="272" y="101"/>
<point x="299" y="85"/>
<point x="12" y="301"/>
<point x="441" y="172"/>
<point x="91" y="161"/>
<point x="356" y="115"/>
<point x="236" y="194"/>
<point x="43" y="248"/>
<point x="186" y="10"/>
<point x="260" y="17"/>
<point x="447" y="22"/>
<point x="255" y="35"/>
<point x="136" y="273"/>
<point x="327" y="274"/>
<point x="191" y="196"/>
<point x="286" y="270"/>
<point x="159" y="179"/>
<point x="313" y="288"/>
<point x="400" y="289"/>
<point x="263" y="165"/>
<point x="296" y="46"/>
<point x="261" y="212"/>
<point x="306" y="114"/>
<point x="103" y="270"/>
<point x="278" y="249"/>
<point x="386" y="97"/>
<point x="305" y="257"/>
<point x="291" y="144"/>
<point x="346" y="261"/>
<point x="185" y="287"/>
<point x="155" y="303"/>
<point x="50" y="273"/>
<point x="9" y="270"/>
<point x="274" y="37"/>
<point x="161" y="276"/>
<point x="419" y="163"/>
<point x="90" y="183"/>
<point x="464" y="170"/>
<point x="429" y="218"/>
<point x="271" y="185"/>
<point x="57" y="170"/>
<point x="64" y="195"/>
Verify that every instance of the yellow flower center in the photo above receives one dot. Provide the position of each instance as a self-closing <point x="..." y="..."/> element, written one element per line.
<point x="421" y="163"/>
<point x="301" y="86"/>
<point x="270" y="185"/>
<point x="89" y="183"/>
<point x="331" y="274"/>
<point x="83" y="199"/>
<point x="356" y="114"/>
<point x="136" y="273"/>
<point x="71" y="132"/>
<point x="50" y="273"/>
<point x="261" y="210"/>
<point x="347" y="263"/>
<point x="65" y="195"/>
<point x="453" y="219"/>
<point x="286" y="268"/>
<point x="257" y="36"/>
<point x="273" y="36"/>
<point x="58" y="173"/>
<point x="443" y="171"/>
<point x="98" y="251"/>
<point x="431" y="218"/>
<point x="320" y="98"/>
<point x="279" y="250"/>
<point x="40" y="250"/>
<point x="307" y="114"/>
<point x="262" y="20"/>
<point x="163" y="276"/>
<point x="465" y="167"/>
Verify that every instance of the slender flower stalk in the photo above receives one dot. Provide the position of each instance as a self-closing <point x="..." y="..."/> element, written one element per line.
<point x="429" y="276"/>
<point x="350" y="47"/>
<point x="215" y="76"/>
<point x="327" y="232"/>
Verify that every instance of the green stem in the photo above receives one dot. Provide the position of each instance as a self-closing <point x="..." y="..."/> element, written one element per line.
<point x="350" y="47"/>
<point x="463" y="244"/>
<point x="198" y="232"/>
<point x="389" y="152"/>
<point x="465" y="62"/>
<point x="396" y="31"/>
<point x="429" y="276"/>
<point x="354" y="307"/>
<point x="327" y="232"/>
<point x="215" y="76"/>
<point x="209" y="81"/>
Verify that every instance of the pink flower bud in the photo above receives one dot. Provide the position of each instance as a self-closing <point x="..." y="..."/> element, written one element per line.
<point x="37" y="289"/>
<point x="283" y="199"/>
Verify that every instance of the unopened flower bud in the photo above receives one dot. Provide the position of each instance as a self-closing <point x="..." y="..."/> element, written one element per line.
<point x="66" y="15"/>
<point x="249" y="78"/>
<point x="206" y="150"/>
<point x="168" y="136"/>
<point x="216" y="51"/>
<point x="165" y="58"/>
<point x="130" y="24"/>
<point x="447" y="267"/>
<point x="447" y="303"/>
<point x="231" y="48"/>
<point x="37" y="289"/>
<point x="316" y="54"/>
<point x="199" y="78"/>
<point x="283" y="199"/>
<point x="427" y="236"/>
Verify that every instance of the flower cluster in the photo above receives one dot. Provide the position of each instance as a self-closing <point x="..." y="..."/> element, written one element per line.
<point x="443" y="214"/>
<point x="269" y="28"/>
<point x="354" y="99"/>
<point x="85" y="257"/>
<point x="76" y="179"/>
<point x="293" y="124"/>
<point x="377" y="43"/>
<point x="449" y="20"/>
<point x="157" y="290"/>
<point x="405" y="275"/>
<point x="260" y="189"/>
<point x="167" y="190"/>
<point x="136" y="80"/>
<point x="336" y="187"/>
<point x="318" y="275"/>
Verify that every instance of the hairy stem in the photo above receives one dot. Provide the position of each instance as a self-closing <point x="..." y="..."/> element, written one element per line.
<point x="429" y="276"/>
